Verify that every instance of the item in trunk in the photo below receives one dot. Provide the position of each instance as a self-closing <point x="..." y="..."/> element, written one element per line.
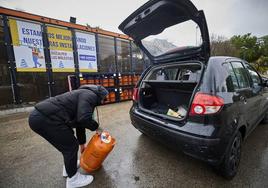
<point x="173" y="113"/>
<point x="182" y="110"/>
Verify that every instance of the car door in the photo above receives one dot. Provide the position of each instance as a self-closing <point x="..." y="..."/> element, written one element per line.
<point x="243" y="95"/>
<point x="257" y="93"/>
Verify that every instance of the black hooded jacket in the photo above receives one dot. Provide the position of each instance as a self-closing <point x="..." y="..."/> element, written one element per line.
<point x="75" y="108"/>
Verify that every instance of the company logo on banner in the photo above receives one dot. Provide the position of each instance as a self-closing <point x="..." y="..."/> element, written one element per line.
<point x="86" y="48"/>
<point x="28" y="46"/>
<point x="61" y="49"/>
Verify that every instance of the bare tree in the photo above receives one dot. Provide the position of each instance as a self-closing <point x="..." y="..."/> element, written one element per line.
<point x="221" y="46"/>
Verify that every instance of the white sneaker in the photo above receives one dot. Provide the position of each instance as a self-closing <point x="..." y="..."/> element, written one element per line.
<point x="78" y="180"/>
<point x="64" y="173"/>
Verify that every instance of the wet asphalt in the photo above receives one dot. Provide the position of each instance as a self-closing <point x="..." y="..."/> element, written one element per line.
<point x="27" y="160"/>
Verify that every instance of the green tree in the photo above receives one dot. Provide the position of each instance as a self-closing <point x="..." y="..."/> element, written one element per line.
<point x="247" y="46"/>
<point x="261" y="64"/>
<point x="252" y="49"/>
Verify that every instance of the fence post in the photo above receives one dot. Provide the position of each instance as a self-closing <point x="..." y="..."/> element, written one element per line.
<point x="97" y="51"/>
<point x="131" y="57"/>
<point x="76" y="62"/>
<point x="48" y="60"/>
<point x="11" y="62"/>
<point x="116" y="58"/>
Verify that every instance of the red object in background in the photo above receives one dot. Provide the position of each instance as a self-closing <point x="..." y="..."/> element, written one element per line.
<point x="120" y="86"/>
<point x="135" y="96"/>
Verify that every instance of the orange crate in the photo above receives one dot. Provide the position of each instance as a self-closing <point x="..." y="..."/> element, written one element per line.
<point x="111" y="82"/>
<point x="112" y="96"/>
<point x="121" y="95"/>
<point x="135" y="79"/>
<point x="90" y="81"/>
<point x="105" y="82"/>
<point x="97" y="81"/>
<point x="83" y="82"/>
<point x="107" y="100"/>
<point x="130" y="93"/>
<point x="126" y="94"/>
<point x="129" y="80"/>
<point x="120" y="81"/>
<point x="125" y="80"/>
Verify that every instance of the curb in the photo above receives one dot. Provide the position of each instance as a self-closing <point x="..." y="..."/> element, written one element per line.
<point x="16" y="110"/>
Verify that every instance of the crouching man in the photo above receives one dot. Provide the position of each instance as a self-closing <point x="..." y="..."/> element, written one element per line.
<point x="55" y="118"/>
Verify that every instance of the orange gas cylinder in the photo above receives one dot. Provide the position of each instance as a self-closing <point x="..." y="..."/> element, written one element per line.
<point x="96" y="151"/>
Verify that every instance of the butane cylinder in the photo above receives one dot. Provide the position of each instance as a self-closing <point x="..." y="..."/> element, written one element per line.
<point x="96" y="151"/>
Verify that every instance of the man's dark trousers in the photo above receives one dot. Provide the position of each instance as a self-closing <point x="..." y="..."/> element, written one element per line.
<point x="60" y="136"/>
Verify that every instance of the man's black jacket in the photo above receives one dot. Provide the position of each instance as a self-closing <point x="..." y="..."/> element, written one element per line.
<point x="75" y="108"/>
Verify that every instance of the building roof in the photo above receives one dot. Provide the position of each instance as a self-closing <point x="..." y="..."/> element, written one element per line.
<point x="47" y="20"/>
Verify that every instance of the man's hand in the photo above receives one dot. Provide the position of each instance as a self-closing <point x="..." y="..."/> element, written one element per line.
<point x="82" y="148"/>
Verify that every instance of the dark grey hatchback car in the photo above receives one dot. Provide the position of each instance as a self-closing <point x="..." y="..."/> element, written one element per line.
<point x="205" y="106"/>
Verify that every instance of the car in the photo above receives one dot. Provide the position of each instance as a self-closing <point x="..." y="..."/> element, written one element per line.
<point x="264" y="78"/>
<point x="201" y="105"/>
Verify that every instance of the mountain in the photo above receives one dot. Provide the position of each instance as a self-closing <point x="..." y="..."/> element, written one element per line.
<point x="158" y="46"/>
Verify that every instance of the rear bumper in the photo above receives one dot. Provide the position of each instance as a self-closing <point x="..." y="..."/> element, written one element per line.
<point x="206" y="149"/>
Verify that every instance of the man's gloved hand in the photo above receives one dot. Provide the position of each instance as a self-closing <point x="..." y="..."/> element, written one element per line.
<point x="82" y="148"/>
<point x="99" y="130"/>
<point x="91" y="125"/>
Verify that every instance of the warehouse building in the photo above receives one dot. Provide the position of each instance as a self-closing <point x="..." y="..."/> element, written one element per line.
<point x="38" y="54"/>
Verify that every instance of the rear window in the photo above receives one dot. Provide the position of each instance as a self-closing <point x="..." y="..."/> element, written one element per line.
<point x="231" y="81"/>
<point x="176" y="73"/>
<point x="177" y="37"/>
<point x="241" y="75"/>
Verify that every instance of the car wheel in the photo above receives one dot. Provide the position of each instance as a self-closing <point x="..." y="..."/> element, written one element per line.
<point x="265" y="120"/>
<point x="229" y="166"/>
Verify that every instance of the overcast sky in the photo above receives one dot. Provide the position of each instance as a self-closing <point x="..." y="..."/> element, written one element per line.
<point x="224" y="17"/>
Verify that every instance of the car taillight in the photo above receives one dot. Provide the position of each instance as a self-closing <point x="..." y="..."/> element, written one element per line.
<point x="206" y="104"/>
<point x="135" y="96"/>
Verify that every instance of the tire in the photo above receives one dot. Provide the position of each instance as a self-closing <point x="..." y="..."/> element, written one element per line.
<point x="265" y="119"/>
<point x="229" y="166"/>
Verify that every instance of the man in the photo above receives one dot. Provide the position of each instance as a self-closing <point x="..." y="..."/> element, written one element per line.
<point x="54" y="119"/>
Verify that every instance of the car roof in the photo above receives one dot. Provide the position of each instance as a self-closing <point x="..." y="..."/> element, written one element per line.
<point x="221" y="59"/>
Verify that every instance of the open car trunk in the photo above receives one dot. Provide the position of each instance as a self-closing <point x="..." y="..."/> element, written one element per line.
<point x="167" y="91"/>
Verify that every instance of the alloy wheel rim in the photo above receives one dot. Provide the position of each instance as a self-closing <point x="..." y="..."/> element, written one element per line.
<point x="234" y="158"/>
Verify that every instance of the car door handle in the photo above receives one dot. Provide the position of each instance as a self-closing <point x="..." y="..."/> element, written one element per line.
<point x="242" y="98"/>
